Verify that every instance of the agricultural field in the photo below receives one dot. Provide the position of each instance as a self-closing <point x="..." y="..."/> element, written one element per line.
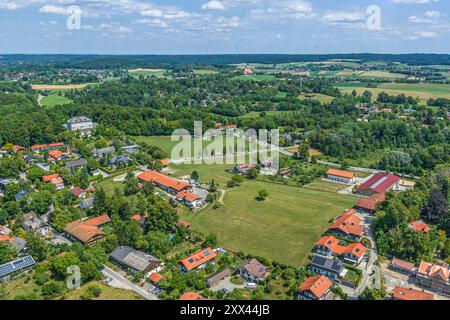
<point x="147" y="72"/>
<point x="322" y="98"/>
<point x="284" y="227"/>
<point x="205" y="71"/>
<point x="54" y="99"/>
<point x="420" y="91"/>
<point x="50" y="87"/>
<point x="382" y="74"/>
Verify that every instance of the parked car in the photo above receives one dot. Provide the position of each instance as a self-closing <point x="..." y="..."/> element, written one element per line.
<point x="250" y="285"/>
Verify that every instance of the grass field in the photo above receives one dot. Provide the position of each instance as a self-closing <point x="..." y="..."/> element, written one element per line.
<point x="146" y="72"/>
<point x="423" y="92"/>
<point x="205" y="71"/>
<point x="322" y="98"/>
<point x="381" y="74"/>
<point x="58" y="86"/>
<point x="53" y="100"/>
<point x="284" y="227"/>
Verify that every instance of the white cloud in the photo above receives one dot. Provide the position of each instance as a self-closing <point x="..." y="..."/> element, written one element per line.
<point x="415" y="1"/>
<point x="213" y="5"/>
<point x="433" y="14"/>
<point x="424" y="34"/>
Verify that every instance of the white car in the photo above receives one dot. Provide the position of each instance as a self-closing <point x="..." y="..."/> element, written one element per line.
<point x="250" y="285"/>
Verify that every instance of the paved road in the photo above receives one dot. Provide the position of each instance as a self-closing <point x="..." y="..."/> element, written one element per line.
<point x="120" y="282"/>
<point x="331" y="164"/>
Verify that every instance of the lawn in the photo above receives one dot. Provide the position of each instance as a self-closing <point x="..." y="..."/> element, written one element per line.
<point x="159" y="73"/>
<point x="108" y="293"/>
<point x="54" y="99"/>
<point x="283" y="228"/>
<point x="206" y="172"/>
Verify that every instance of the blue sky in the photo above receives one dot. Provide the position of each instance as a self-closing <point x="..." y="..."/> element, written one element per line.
<point x="224" y="26"/>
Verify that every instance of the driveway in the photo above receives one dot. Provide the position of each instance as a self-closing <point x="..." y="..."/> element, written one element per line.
<point x="119" y="281"/>
<point x="226" y="284"/>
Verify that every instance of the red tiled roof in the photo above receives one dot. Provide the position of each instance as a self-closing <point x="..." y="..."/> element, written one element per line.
<point x="329" y="242"/>
<point x="183" y="223"/>
<point x="402" y="264"/>
<point x="341" y="173"/>
<point x="371" y="203"/>
<point x="86" y="230"/>
<point x="317" y="285"/>
<point x="349" y="223"/>
<point x="155" y="277"/>
<point x="419" y="226"/>
<point x="198" y="258"/>
<point x="332" y="243"/>
<point x="411" y="294"/>
<point x="50" y="177"/>
<point x="191" y="296"/>
<point x="77" y="191"/>
<point x="158" y="178"/>
<point x="45" y="146"/>
<point x="56" y="154"/>
<point x="4" y="238"/>
<point x="380" y="183"/>
<point x="188" y="196"/>
<point x="357" y="249"/>
<point x="434" y="270"/>
<point x="165" y="162"/>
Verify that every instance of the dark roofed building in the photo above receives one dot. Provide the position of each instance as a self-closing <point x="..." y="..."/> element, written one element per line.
<point x="12" y="269"/>
<point x="331" y="268"/>
<point x="215" y="279"/>
<point x="76" y="164"/>
<point x="134" y="261"/>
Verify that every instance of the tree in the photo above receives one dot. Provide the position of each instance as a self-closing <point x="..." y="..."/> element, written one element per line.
<point x="38" y="202"/>
<point x="36" y="246"/>
<point x="303" y="152"/>
<point x="194" y="175"/>
<point x="100" y="202"/>
<point x="262" y="195"/>
<point x="162" y="217"/>
<point x="210" y="241"/>
<point x="7" y="253"/>
<point x="51" y="290"/>
<point x="131" y="186"/>
<point x="251" y="173"/>
<point x="437" y="205"/>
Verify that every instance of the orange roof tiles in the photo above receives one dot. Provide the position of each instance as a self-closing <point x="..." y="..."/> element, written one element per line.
<point x="419" y="226"/>
<point x="402" y="264"/>
<point x="341" y="173"/>
<point x="317" y="285"/>
<point x="371" y="203"/>
<point x="50" y="177"/>
<point x="357" y="249"/>
<point x="87" y="230"/>
<point x="155" y="277"/>
<point x="349" y="223"/>
<point x="434" y="270"/>
<point x="46" y="146"/>
<point x="330" y="242"/>
<point x="198" y="258"/>
<point x="191" y="296"/>
<point x="56" y="154"/>
<point x="160" y="179"/>
<point x="411" y="294"/>
<point x="188" y="196"/>
<point x="4" y="238"/>
<point x="165" y="162"/>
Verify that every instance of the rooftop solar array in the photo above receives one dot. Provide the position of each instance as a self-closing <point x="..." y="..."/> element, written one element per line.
<point x="16" y="265"/>
<point x="376" y="184"/>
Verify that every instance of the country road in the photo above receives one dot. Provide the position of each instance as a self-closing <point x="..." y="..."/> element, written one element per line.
<point x="120" y="282"/>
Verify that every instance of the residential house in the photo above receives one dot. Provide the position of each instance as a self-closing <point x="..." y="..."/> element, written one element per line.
<point x="50" y="146"/>
<point x="379" y="183"/>
<point x="341" y="176"/>
<point x="18" y="243"/>
<point x="218" y="277"/>
<point x="139" y="219"/>
<point x="87" y="231"/>
<point x="101" y="153"/>
<point x="329" y="246"/>
<point x="189" y="198"/>
<point x="31" y="221"/>
<point x="370" y="205"/>
<point x="348" y="225"/>
<point x="20" y="195"/>
<point x="131" y="149"/>
<point x="54" y="179"/>
<point x="81" y="124"/>
<point x="314" y="288"/>
<point x="58" y="155"/>
<point x="76" y="164"/>
<point x="253" y="270"/>
<point x="197" y="260"/>
<point x="43" y="166"/>
<point x="419" y="226"/>
<point x="166" y="183"/>
<point x="401" y="266"/>
<point x="78" y="192"/>
<point x="134" y="261"/>
<point x="11" y="270"/>
<point x="119" y="160"/>
<point x="155" y="278"/>
<point x="406" y="294"/>
<point x="434" y="277"/>
<point x="87" y="203"/>
<point x="333" y="269"/>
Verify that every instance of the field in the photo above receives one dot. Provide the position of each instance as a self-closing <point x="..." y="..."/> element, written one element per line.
<point x="145" y="72"/>
<point x="255" y="78"/>
<point x="205" y="71"/>
<point x="421" y="91"/>
<point x="322" y="98"/>
<point x="381" y="74"/>
<point x="53" y="100"/>
<point x="58" y="86"/>
<point x="284" y="227"/>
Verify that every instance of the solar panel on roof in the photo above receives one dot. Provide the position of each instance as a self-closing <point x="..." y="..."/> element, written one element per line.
<point x="191" y="260"/>
<point x="16" y="265"/>
<point x="206" y="253"/>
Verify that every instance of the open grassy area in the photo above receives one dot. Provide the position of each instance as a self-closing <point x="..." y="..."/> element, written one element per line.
<point x="206" y="172"/>
<point x="58" y="86"/>
<point x="53" y="100"/>
<point x="145" y="72"/>
<point x="205" y="71"/>
<point x="284" y="227"/>
<point x="255" y="78"/>
<point x="108" y="293"/>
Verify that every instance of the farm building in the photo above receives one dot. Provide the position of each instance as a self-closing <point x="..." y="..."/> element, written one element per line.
<point x="341" y="176"/>
<point x="166" y="183"/>
<point x="379" y="183"/>
<point x="369" y="205"/>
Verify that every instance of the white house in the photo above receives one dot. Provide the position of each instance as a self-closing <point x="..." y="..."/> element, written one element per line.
<point x="81" y="124"/>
